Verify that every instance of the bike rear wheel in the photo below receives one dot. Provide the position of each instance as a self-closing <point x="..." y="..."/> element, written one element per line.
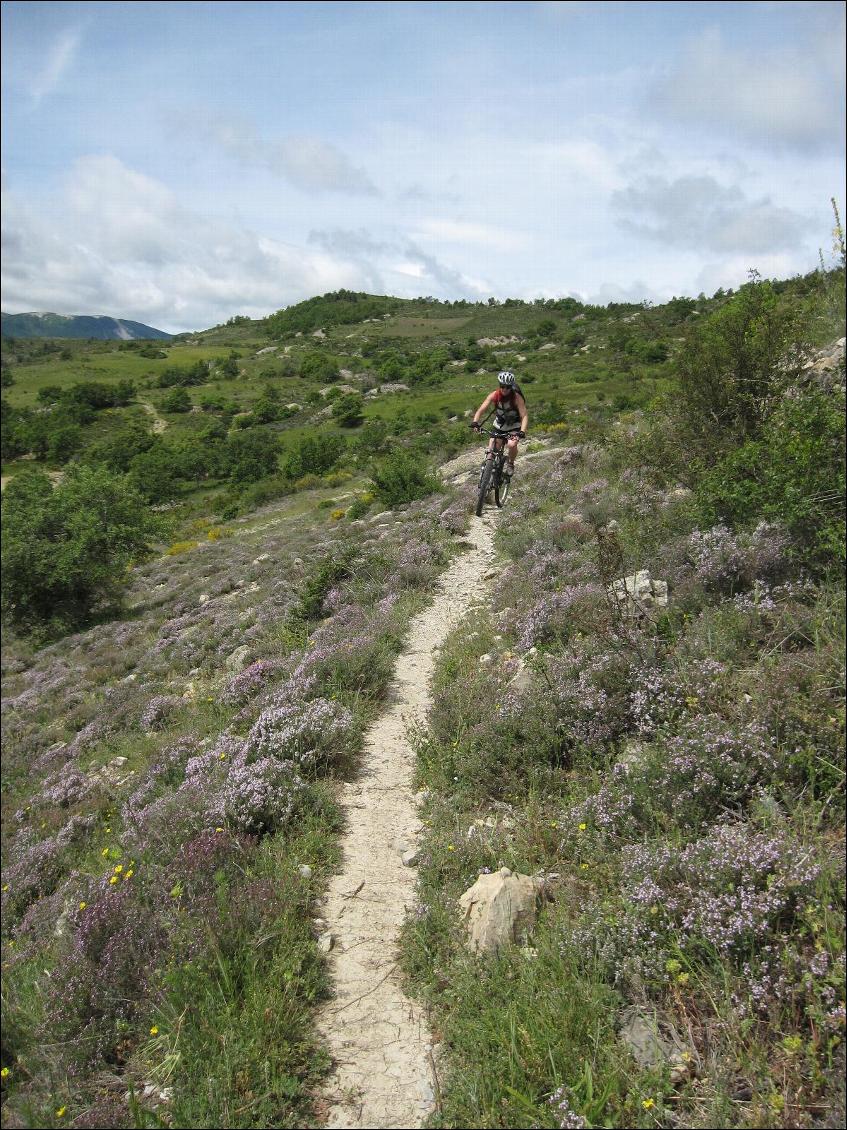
<point x="484" y="484"/>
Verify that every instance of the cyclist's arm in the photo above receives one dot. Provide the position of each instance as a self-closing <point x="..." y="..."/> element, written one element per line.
<point x="523" y="412"/>
<point x="482" y="407"/>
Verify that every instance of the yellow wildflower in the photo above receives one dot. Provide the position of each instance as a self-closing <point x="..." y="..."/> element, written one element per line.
<point x="4" y="1073"/>
<point x="113" y="879"/>
<point x="83" y="905"/>
<point x="583" y="866"/>
<point x="682" y="979"/>
<point x="129" y="875"/>
<point x="118" y="868"/>
<point x="105" y="851"/>
<point x="60" y="1113"/>
<point x="648" y="1104"/>
<point x="218" y="829"/>
<point x="582" y="827"/>
<point x="154" y="1031"/>
<point x="450" y="847"/>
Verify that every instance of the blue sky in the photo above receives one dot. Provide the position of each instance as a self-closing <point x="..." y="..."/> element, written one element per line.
<point x="179" y="163"/>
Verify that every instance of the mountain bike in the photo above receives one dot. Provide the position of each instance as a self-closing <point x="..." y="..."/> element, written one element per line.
<point x="491" y="476"/>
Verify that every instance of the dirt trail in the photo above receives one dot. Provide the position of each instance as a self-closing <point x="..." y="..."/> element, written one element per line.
<point x="159" y="422"/>
<point x="377" y="1036"/>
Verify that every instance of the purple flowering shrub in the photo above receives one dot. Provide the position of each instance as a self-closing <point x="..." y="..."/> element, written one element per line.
<point x="717" y="899"/>
<point x="724" y="892"/>
<point x="107" y="967"/>
<point x="709" y="766"/>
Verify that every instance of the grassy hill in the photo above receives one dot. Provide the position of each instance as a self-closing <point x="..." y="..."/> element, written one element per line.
<point x="177" y="722"/>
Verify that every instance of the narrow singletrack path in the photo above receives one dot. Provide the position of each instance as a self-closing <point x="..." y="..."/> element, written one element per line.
<point x="381" y="1050"/>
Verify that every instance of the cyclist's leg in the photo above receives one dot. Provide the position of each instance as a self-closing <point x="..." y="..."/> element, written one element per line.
<point x="512" y="450"/>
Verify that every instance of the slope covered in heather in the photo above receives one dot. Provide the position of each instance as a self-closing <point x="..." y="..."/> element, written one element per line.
<point x="176" y="735"/>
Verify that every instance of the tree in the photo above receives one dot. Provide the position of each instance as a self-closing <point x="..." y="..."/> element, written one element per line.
<point x="66" y="550"/>
<point x="155" y="472"/>
<point x="348" y="410"/>
<point x="249" y="456"/>
<point x="177" y="400"/>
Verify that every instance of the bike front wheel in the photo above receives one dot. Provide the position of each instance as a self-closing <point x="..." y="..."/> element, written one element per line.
<point x="484" y="484"/>
<point x="501" y="490"/>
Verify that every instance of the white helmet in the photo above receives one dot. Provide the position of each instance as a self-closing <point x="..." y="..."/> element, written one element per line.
<point x="506" y="379"/>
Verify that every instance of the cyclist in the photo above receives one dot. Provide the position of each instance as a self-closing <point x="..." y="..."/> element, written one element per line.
<point x="511" y="413"/>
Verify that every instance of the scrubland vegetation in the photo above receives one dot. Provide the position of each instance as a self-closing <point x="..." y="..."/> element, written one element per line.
<point x="202" y="621"/>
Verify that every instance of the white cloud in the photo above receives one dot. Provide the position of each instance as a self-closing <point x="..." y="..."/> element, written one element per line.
<point x="399" y="254"/>
<point x="308" y="163"/>
<point x="698" y="212"/>
<point x="460" y="232"/>
<point x="118" y="242"/>
<point x="791" y="97"/>
<point x="58" y="60"/>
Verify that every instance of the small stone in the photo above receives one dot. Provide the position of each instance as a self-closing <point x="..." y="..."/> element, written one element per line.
<point x="305" y="870"/>
<point x="484" y="660"/>
<point x="203" y="598"/>
<point x="410" y="858"/>
<point x="326" y="941"/>
<point x="261" y="557"/>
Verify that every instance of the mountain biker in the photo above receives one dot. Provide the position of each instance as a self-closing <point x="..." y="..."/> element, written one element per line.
<point x="511" y="413"/>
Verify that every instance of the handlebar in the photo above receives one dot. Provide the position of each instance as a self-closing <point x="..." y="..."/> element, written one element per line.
<point x="496" y="431"/>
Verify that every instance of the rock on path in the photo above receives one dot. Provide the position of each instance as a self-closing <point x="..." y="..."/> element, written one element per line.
<point x="377" y="1037"/>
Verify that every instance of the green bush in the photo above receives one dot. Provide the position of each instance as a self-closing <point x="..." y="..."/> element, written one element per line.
<point x="793" y="474"/>
<point x="733" y="370"/>
<point x="348" y="410"/>
<point x="177" y="400"/>
<point x="66" y="550"/>
<point x="248" y="456"/>
<point x="402" y="477"/>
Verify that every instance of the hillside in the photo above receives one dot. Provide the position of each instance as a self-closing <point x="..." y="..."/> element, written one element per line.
<point x="275" y="701"/>
<point x="97" y="326"/>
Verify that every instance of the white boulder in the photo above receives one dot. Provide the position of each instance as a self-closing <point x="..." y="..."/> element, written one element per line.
<point x="499" y="909"/>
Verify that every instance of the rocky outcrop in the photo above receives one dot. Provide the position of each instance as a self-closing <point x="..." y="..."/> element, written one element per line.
<point x="639" y="595"/>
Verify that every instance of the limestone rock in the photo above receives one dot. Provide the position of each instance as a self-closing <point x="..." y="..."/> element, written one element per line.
<point x="639" y="594"/>
<point x="498" y="909"/>
<point x="236" y="659"/>
<point x="655" y="1043"/>
<point x="523" y="681"/>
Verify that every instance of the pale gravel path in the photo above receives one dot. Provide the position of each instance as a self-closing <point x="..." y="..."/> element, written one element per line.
<point x="159" y="422"/>
<point x="378" y="1037"/>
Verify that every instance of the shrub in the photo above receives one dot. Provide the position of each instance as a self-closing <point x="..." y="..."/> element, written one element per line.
<point x="733" y="369"/>
<point x="402" y="477"/>
<point x="67" y="550"/>
<point x="250" y="455"/>
<point x="793" y="474"/>
<point x="177" y="400"/>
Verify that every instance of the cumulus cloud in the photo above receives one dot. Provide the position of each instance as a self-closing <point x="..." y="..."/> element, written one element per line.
<point x="478" y="235"/>
<point x="791" y="97"/>
<point x="700" y="213"/>
<point x="58" y="59"/>
<point x="308" y="163"/>
<point x="400" y="255"/>
<point x="118" y="242"/>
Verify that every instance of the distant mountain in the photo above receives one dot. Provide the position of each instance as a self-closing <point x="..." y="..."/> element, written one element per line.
<point x="77" y="325"/>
